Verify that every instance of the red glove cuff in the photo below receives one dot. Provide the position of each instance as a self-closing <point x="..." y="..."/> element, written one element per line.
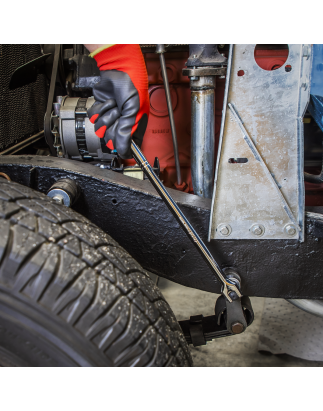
<point x="129" y="59"/>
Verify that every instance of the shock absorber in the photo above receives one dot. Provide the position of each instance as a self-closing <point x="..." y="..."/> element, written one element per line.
<point x="203" y="64"/>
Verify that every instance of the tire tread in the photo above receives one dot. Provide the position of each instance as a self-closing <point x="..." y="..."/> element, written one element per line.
<point x="66" y="265"/>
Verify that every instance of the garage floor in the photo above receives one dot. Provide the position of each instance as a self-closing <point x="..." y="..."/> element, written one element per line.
<point x="240" y="350"/>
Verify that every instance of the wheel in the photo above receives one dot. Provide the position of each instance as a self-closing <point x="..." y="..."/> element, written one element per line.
<point x="71" y="296"/>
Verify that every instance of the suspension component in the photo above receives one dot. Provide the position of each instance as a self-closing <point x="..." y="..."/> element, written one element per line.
<point x="203" y="65"/>
<point x="64" y="191"/>
<point x="198" y="330"/>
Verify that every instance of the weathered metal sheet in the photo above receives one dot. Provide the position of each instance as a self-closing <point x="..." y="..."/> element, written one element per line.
<point x="263" y="123"/>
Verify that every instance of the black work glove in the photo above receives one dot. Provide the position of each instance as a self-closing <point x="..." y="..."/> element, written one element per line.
<point x="121" y="107"/>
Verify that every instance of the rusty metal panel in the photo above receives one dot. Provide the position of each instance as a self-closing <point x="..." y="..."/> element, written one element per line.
<point x="259" y="187"/>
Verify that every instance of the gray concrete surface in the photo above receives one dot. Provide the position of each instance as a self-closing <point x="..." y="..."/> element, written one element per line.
<point x="239" y="350"/>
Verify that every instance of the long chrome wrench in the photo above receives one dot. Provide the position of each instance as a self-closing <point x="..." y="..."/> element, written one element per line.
<point x="228" y="286"/>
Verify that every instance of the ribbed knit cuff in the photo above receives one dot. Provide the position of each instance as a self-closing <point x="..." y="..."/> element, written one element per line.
<point x="95" y="52"/>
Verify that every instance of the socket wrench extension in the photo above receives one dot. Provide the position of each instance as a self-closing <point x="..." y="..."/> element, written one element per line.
<point x="228" y="285"/>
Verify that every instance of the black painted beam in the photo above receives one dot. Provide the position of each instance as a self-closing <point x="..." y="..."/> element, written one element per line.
<point x="134" y="215"/>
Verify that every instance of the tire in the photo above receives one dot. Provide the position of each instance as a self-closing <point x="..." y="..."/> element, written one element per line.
<point x="71" y="296"/>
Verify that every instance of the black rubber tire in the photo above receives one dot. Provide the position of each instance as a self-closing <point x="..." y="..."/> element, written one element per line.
<point x="71" y="296"/>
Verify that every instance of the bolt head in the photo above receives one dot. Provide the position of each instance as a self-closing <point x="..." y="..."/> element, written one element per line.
<point x="237" y="328"/>
<point x="224" y="229"/>
<point x="59" y="199"/>
<point x="233" y="295"/>
<point x="290" y="230"/>
<point x="257" y="229"/>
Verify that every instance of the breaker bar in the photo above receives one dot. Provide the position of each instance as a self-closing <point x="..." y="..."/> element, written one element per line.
<point x="229" y="290"/>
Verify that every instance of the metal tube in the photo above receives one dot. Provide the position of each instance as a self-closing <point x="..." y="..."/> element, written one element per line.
<point x="203" y="139"/>
<point x="160" y="49"/>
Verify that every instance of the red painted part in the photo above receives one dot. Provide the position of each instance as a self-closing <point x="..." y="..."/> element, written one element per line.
<point x="271" y="59"/>
<point x="158" y="139"/>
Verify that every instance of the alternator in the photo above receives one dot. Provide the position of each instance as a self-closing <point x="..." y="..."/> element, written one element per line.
<point x="76" y="132"/>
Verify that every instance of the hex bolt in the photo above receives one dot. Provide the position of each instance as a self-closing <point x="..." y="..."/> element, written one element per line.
<point x="237" y="328"/>
<point x="224" y="229"/>
<point x="59" y="199"/>
<point x="257" y="229"/>
<point x="290" y="230"/>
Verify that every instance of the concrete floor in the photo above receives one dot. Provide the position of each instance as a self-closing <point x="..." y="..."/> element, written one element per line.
<point x="240" y="350"/>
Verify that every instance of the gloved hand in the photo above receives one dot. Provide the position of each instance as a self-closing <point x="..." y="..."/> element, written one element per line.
<point x="121" y="109"/>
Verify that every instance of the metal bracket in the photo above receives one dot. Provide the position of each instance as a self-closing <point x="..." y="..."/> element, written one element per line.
<point x="259" y="186"/>
<point x="257" y="156"/>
